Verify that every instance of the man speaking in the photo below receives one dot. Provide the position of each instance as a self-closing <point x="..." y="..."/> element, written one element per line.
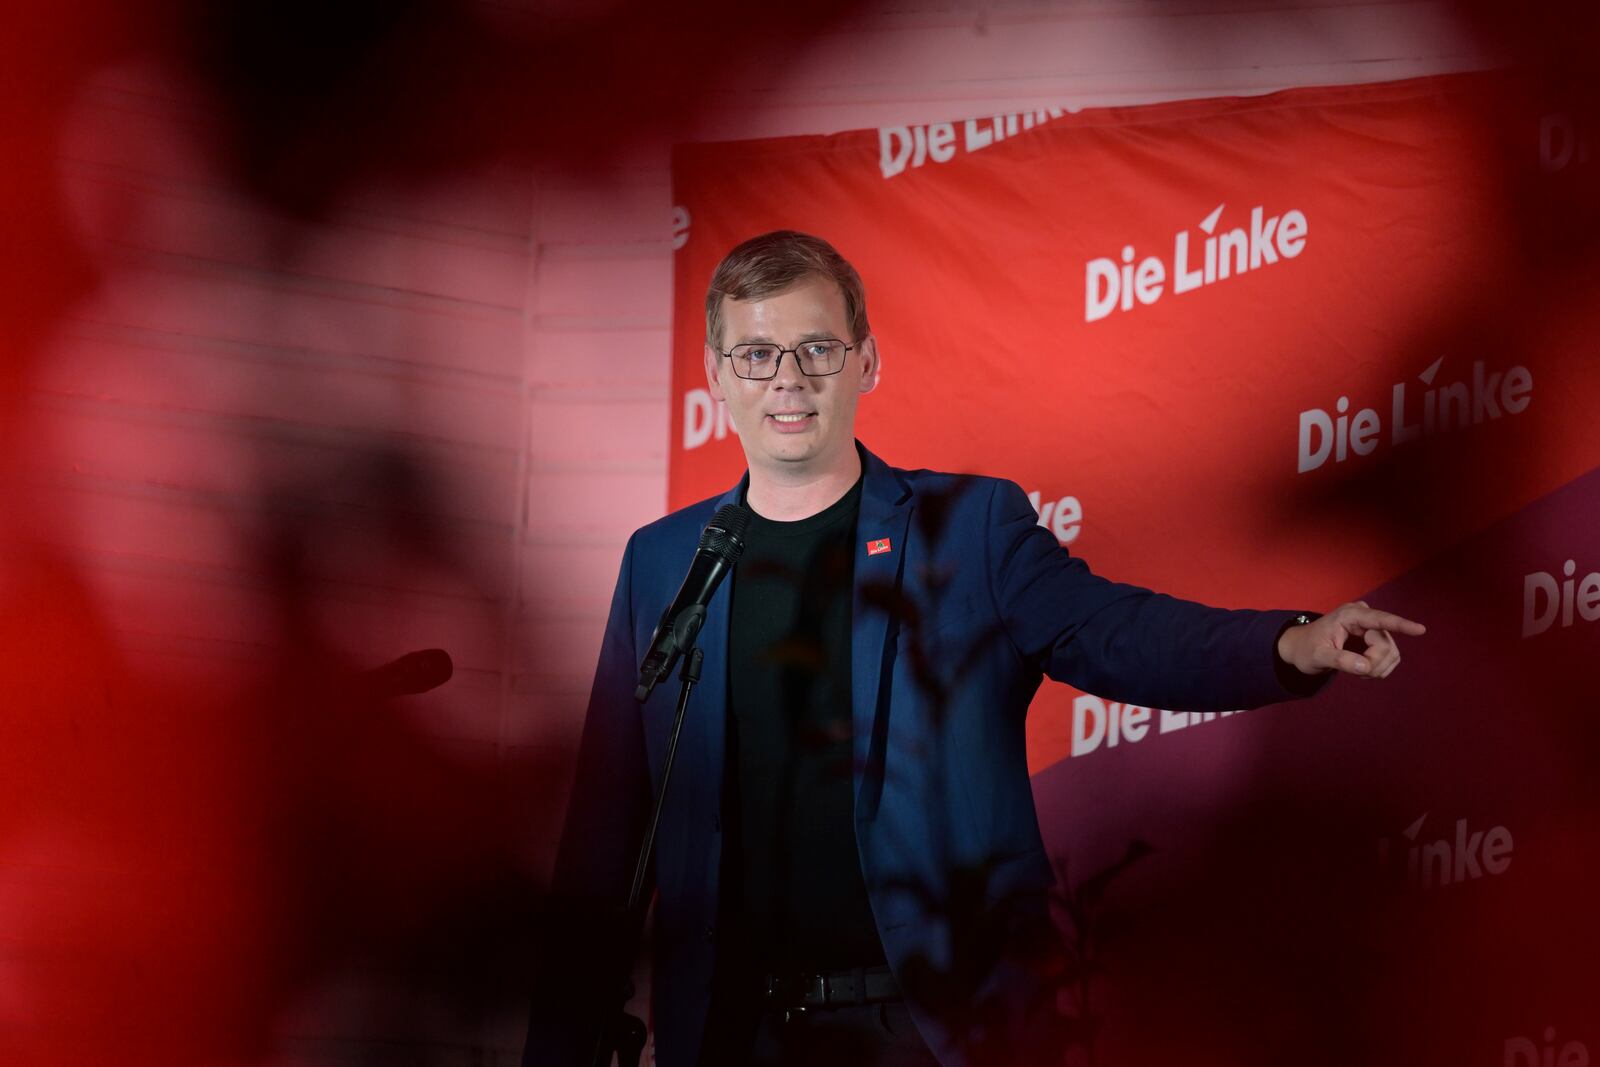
<point x="849" y="866"/>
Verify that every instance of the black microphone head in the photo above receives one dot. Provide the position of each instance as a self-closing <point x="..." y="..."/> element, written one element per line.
<point x="418" y="672"/>
<point x="724" y="534"/>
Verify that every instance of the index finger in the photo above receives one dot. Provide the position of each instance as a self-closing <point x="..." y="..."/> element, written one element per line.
<point x="1384" y="620"/>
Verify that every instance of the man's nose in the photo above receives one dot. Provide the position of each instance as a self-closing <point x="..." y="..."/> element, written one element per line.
<point x="789" y="375"/>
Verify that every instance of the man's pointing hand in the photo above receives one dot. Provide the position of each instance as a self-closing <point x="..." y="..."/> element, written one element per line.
<point x="1320" y="645"/>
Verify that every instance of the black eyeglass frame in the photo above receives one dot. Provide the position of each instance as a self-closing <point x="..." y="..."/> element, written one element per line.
<point x="777" y="364"/>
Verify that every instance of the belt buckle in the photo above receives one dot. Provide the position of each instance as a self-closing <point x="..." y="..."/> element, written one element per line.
<point x="813" y="990"/>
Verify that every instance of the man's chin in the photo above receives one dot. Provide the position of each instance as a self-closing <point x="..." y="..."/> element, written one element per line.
<point x="789" y="453"/>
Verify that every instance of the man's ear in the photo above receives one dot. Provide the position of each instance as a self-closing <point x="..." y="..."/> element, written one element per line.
<point x="712" y="380"/>
<point x="871" y="366"/>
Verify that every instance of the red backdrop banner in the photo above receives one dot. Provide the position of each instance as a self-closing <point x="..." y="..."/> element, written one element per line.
<point x="1283" y="351"/>
<point x="1221" y="342"/>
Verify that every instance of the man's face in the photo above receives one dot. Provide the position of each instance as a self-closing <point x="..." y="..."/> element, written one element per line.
<point x="764" y="412"/>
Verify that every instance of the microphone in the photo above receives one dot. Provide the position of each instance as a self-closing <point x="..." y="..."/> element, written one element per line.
<point x="721" y="545"/>
<point x="412" y="673"/>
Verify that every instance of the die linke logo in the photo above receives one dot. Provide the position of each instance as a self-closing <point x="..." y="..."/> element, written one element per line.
<point x="902" y="148"/>
<point x="1522" y="1052"/>
<point x="1483" y="396"/>
<point x="1464" y="857"/>
<point x="1112" y="286"/>
<point x="1100" y="723"/>
<point x="1063" y="517"/>
<point x="1562" y="142"/>
<point x="1544" y="599"/>
<point x="704" y="419"/>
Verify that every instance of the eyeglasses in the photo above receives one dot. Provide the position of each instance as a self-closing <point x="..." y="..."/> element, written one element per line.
<point x="816" y="359"/>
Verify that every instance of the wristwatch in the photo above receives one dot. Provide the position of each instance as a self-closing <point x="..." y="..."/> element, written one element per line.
<point x="1288" y="676"/>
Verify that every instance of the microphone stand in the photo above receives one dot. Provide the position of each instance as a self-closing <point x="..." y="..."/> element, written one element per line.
<point x="620" y="1033"/>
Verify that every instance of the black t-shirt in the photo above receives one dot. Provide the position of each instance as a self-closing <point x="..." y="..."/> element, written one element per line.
<point x="792" y="896"/>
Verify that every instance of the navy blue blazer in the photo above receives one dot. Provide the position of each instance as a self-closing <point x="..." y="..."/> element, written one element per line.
<point x="956" y="624"/>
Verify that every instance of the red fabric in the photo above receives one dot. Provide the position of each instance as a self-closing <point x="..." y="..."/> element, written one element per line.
<point x="1163" y="439"/>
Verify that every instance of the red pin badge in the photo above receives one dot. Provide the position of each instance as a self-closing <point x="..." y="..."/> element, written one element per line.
<point x="878" y="547"/>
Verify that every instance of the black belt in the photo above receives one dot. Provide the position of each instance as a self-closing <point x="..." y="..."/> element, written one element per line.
<point x="860" y="985"/>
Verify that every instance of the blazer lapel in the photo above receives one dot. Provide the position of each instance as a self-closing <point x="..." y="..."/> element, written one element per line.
<point x="879" y="567"/>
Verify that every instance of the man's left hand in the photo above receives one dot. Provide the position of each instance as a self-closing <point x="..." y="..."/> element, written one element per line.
<point x="1319" y="645"/>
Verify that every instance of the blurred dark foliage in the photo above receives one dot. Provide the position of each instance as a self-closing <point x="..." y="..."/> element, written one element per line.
<point x="192" y="862"/>
<point x="312" y="102"/>
<point x="208" y="854"/>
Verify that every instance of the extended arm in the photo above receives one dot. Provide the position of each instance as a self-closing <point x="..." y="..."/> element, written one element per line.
<point x="1125" y="642"/>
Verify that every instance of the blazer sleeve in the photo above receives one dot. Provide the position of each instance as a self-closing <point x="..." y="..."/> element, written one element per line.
<point x="584" y="944"/>
<point x="1124" y="642"/>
